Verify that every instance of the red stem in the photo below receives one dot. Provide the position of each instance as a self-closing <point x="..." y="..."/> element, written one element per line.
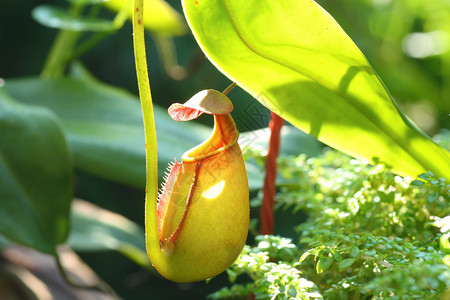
<point x="266" y="213"/>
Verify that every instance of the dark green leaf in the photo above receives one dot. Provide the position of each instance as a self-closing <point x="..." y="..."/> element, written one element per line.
<point x="432" y="197"/>
<point x="295" y="59"/>
<point x="159" y="17"/>
<point x="369" y="252"/>
<point x="417" y="182"/>
<point x="55" y="17"/>
<point x="105" y="129"/>
<point x="35" y="176"/>
<point x="323" y="264"/>
<point x="292" y="291"/>
<point x="336" y="255"/>
<point x="104" y="126"/>
<point x="354" y="251"/>
<point x="424" y="176"/>
<point x="346" y="263"/>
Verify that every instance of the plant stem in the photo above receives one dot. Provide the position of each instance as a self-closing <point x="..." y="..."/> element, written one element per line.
<point x="168" y="55"/>
<point x="93" y="40"/>
<point x="166" y="50"/>
<point x="149" y="124"/>
<point x="61" y="50"/>
<point x="266" y="213"/>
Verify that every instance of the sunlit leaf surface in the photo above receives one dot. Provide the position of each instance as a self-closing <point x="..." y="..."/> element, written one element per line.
<point x="296" y="60"/>
<point x="159" y="16"/>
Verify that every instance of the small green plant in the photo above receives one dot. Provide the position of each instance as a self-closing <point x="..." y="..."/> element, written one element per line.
<point x="369" y="235"/>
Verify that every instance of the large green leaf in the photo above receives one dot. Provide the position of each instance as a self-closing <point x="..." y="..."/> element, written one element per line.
<point x="96" y="229"/>
<point x="295" y="59"/>
<point x="105" y="129"/>
<point x="104" y="126"/>
<point x="35" y="176"/>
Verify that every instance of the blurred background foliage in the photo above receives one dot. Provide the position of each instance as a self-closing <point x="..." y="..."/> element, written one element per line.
<point x="406" y="41"/>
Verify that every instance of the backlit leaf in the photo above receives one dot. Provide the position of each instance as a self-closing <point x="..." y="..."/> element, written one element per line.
<point x="159" y="16"/>
<point x="295" y="59"/>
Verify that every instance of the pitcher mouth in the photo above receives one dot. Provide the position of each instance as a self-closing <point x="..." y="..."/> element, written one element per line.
<point x="223" y="137"/>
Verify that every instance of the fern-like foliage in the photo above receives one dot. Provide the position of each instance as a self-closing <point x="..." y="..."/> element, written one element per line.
<point x="369" y="234"/>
